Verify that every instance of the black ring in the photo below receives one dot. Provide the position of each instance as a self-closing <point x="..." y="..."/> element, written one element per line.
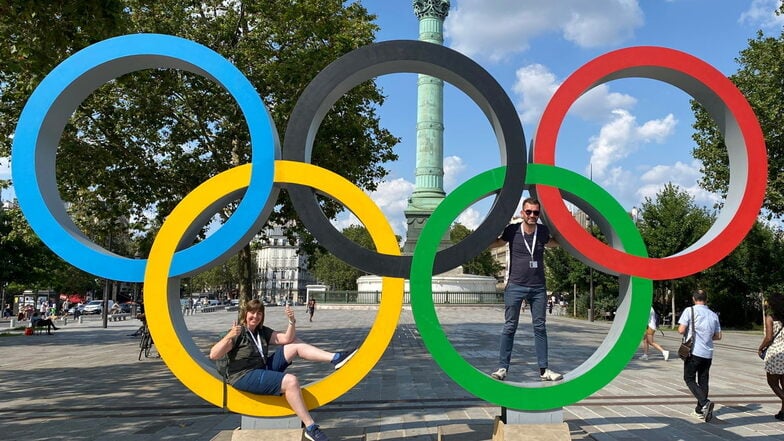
<point x="399" y="56"/>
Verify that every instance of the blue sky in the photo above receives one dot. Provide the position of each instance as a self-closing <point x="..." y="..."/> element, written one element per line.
<point x="633" y="136"/>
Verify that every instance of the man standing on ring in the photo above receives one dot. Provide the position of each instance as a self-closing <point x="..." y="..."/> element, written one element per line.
<point x="526" y="282"/>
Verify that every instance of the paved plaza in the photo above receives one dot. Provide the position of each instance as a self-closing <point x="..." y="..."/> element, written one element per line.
<point x="86" y="383"/>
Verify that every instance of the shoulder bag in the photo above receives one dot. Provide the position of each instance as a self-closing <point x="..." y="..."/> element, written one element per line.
<point x="765" y="351"/>
<point x="684" y="351"/>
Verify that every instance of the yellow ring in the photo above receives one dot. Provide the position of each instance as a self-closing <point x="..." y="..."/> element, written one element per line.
<point x="191" y="366"/>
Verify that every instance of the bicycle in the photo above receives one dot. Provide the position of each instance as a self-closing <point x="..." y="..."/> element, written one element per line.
<point x="145" y="344"/>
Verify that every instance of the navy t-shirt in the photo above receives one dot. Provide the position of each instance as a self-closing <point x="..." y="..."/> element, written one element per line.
<point x="520" y="270"/>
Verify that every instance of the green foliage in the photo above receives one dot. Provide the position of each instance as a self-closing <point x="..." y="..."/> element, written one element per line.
<point x="736" y="283"/>
<point x="481" y="265"/>
<point x="138" y="144"/>
<point x="219" y="278"/>
<point x="26" y="263"/>
<point x="672" y="222"/>
<point x="564" y="272"/>
<point x="335" y="273"/>
<point x="759" y="78"/>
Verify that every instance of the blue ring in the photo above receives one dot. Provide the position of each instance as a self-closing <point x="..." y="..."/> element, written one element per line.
<point x="47" y="111"/>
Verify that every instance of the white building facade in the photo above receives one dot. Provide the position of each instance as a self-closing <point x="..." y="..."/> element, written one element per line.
<point x="281" y="273"/>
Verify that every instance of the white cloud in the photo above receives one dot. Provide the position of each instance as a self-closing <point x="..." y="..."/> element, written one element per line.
<point x="470" y="218"/>
<point x="685" y="176"/>
<point x="762" y="13"/>
<point x="535" y="85"/>
<point x="453" y="168"/>
<point x="623" y="136"/>
<point x="501" y="28"/>
<point x="392" y="198"/>
<point x="6" y="194"/>
<point x="5" y="168"/>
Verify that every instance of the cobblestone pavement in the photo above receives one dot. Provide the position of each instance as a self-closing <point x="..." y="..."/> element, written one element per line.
<point x="86" y="383"/>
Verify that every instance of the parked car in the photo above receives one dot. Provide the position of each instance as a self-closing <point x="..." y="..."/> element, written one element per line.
<point x="79" y="307"/>
<point x="93" y="307"/>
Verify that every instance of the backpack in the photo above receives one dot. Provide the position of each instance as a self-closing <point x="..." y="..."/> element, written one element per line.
<point x="222" y="366"/>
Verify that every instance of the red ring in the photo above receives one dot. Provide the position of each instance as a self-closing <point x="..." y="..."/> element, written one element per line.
<point x="679" y="69"/>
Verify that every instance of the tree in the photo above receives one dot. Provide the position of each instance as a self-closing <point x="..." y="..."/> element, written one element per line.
<point x="738" y="282"/>
<point x="481" y="265"/>
<point x="759" y="78"/>
<point x="26" y="263"/>
<point x="332" y="271"/>
<point x="145" y="140"/>
<point x="670" y="223"/>
<point x="221" y="278"/>
<point x="565" y="273"/>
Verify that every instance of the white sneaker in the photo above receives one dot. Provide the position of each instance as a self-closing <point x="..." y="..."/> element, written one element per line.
<point x="549" y="375"/>
<point x="500" y="374"/>
<point x="666" y="355"/>
<point x="644" y="357"/>
<point x="697" y="415"/>
<point x="707" y="410"/>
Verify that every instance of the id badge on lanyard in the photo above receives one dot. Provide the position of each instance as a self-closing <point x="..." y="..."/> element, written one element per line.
<point x="258" y="341"/>
<point x="532" y="263"/>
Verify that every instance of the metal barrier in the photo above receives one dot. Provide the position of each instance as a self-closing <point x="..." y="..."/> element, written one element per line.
<point x="439" y="298"/>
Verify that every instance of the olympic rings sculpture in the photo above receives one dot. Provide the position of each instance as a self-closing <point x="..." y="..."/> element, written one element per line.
<point x="49" y="107"/>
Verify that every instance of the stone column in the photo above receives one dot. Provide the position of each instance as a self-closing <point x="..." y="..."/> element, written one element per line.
<point x="429" y="184"/>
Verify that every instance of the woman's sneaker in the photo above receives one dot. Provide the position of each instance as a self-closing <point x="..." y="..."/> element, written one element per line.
<point x="315" y="434"/>
<point x="343" y="357"/>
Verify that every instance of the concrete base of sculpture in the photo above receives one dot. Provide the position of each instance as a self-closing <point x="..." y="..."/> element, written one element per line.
<point x="530" y="432"/>
<point x="267" y="435"/>
<point x="512" y="416"/>
<point x="471" y="288"/>
<point x="343" y="434"/>
<point x="289" y="422"/>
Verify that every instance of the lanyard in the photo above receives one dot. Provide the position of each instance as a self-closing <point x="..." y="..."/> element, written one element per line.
<point x="258" y="341"/>
<point x="533" y="242"/>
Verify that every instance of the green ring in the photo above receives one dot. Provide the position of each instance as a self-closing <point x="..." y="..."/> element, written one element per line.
<point x="610" y="358"/>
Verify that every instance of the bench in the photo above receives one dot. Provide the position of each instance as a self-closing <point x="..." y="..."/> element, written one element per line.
<point x="39" y="328"/>
<point x="119" y="316"/>
<point x="208" y="308"/>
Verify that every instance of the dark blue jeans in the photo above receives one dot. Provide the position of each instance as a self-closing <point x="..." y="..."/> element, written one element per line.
<point x="513" y="301"/>
<point x="696" y="375"/>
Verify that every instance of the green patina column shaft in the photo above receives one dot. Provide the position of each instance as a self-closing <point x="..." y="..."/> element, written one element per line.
<point x="429" y="184"/>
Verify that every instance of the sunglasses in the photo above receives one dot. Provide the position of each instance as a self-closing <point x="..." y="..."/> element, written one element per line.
<point x="531" y="212"/>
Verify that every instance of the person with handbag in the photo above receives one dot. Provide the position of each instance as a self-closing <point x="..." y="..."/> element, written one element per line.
<point x="772" y="349"/>
<point x="700" y="325"/>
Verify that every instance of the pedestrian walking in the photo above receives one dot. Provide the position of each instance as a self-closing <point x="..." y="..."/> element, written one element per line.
<point x="311" y="308"/>
<point x="772" y="349"/>
<point x="701" y="325"/>
<point x="648" y="338"/>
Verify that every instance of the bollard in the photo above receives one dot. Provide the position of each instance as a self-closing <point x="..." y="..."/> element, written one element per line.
<point x="65" y="320"/>
<point x="13" y="323"/>
<point x="80" y="319"/>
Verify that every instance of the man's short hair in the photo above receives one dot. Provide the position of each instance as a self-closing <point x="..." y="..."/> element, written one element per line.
<point x="699" y="296"/>
<point x="531" y="201"/>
